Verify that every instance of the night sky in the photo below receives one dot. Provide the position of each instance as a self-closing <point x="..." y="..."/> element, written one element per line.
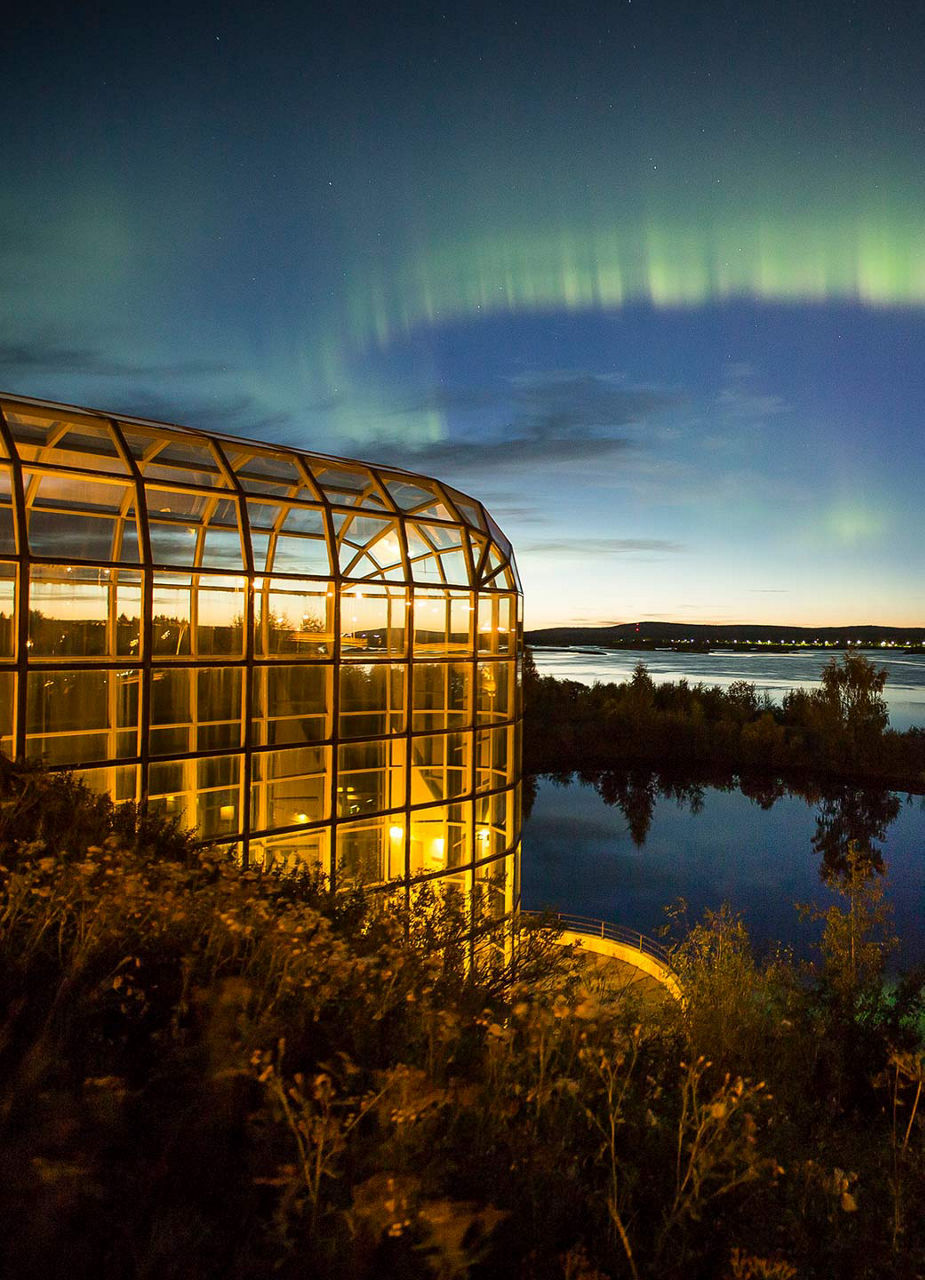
<point x="648" y="278"/>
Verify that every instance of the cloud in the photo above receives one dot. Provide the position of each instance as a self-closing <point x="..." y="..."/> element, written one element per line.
<point x="738" y="405"/>
<point x="601" y="546"/>
<point x="58" y="358"/>
<point x="232" y="415"/>
<point x="518" y="451"/>
<point x="570" y="400"/>
<point x="550" y="418"/>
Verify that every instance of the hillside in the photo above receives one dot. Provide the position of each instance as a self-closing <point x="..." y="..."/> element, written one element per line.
<point x="632" y="635"/>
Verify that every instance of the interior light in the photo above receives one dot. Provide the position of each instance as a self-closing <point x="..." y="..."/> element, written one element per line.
<point x="397" y="833"/>
<point x="437" y="850"/>
<point x="300" y="817"/>
<point x="226" y="811"/>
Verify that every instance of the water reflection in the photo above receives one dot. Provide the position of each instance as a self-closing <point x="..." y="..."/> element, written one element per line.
<point x="624" y="844"/>
<point x="851" y="824"/>
<point x="849" y="820"/>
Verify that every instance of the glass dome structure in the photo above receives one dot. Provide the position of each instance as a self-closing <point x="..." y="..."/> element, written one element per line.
<point x="312" y="660"/>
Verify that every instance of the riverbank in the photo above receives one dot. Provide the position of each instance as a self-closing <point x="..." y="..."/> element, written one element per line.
<point x="835" y="732"/>
<point x="773" y="674"/>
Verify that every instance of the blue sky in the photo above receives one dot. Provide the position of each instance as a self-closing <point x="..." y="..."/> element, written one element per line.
<point x="648" y="279"/>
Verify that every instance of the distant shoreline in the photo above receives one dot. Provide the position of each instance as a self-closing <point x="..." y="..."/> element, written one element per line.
<point x="727" y="646"/>
<point x="704" y="637"/>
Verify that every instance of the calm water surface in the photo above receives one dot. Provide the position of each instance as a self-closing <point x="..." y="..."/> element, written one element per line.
<point x="771" y="673"/>
<point x="579" y="856"/>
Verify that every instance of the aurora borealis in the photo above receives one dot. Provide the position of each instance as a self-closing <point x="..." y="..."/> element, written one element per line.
<point x="647" y="278"/>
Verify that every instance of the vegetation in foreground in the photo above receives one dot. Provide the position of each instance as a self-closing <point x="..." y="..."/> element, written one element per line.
<point x="214" y="1073"/>
<point x="838" y="731"/>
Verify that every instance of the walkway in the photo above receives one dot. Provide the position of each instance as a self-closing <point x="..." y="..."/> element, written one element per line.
<point x="643" y="959"/>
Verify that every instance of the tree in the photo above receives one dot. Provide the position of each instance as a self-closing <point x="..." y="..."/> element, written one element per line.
<point x="852" y="693"/>
<point x="856" y="937"/>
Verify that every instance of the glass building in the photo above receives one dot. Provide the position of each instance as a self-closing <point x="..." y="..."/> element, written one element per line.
<point x="311" y="660"/>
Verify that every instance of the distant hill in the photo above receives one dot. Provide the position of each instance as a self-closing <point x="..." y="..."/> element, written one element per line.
<point x="646" y="635"/>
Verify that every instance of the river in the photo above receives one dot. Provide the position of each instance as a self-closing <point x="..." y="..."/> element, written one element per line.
<point x="627" y="860"/>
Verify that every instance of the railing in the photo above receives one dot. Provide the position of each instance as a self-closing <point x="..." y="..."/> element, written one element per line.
<point x="592" y="928"/>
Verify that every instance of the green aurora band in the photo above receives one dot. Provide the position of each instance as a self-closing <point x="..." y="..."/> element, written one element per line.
<point x="869" y="261"/>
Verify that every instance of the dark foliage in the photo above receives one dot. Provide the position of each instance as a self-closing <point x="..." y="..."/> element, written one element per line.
<point x="835" y="732"/>
<point x="206" y="1072"/>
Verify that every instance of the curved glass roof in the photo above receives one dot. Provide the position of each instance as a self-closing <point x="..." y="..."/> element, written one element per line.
<point x="127" y="491"/>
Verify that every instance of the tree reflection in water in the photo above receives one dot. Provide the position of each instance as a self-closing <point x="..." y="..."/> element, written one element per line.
<point x="850" y="820"/>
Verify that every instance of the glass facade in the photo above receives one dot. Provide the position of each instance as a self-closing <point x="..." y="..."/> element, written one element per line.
<point x="312" y="660"/>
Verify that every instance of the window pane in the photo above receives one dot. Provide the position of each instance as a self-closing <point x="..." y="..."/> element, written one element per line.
<point x="441" y="695"/>
<point x="494" y="823"/>
<point x="371" y="777"/>
<point x="263" y="472"/>
<point x="79" y="441"/>
<point x="346" y="486"/>
<point x="162" y="455"/>
<point x="210" y="610"/>
<point x="372" y="700"/>
<point x="363" y="849"/>
<point x="74" y="716"/>
<point x="292" y="704"/>
<point x="291" y="621"/>
<point x="442" y="622"/>
<point x="494" y="691"/>
<point x="307" y="557"/>
<point x="121" y="782"/>
<point x="220" y="618"/>
<point x="372" y="620"/>
<point x="7" y="705"/>
<point x="294" y="851"/>
<point x="7" y="610"/>
<point x="440" y="766"/>
<point x="174" y="542"/>
<point x="204" y="794"/>
<point x="368" y="547"/>
<point x="7" y="533"/>
<point x="440" y="837"/>
<point x="195" y="709"/>
<point x="494" y="890"/>
<point x="412" y="495"/>
<point x="290" y="787"/>
<point x="80" y="612"/>
<point x="494" y="762"/>
<point x="172" y="612"/>
<point x="496" y="630"/>
<point x="78" y="517"/>
<point x="222" y="549"/>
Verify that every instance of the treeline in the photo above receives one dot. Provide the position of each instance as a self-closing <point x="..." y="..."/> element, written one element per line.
<point x="206" y="1073"/>
<point x="838" y="730"/>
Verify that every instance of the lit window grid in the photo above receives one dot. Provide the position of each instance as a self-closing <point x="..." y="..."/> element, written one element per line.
<point x="138" y="485"/>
